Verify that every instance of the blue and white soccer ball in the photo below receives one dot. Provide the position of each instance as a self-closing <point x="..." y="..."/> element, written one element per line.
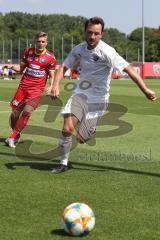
<point x="78" y="219"/>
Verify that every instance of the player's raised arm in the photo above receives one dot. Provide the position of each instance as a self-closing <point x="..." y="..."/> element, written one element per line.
<point x="150" y="94"/>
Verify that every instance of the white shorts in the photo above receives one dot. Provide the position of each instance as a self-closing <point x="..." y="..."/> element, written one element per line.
<point x="88" y="114"/>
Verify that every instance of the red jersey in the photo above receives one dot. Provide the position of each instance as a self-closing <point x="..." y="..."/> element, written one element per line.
<point x="37" y="68"/>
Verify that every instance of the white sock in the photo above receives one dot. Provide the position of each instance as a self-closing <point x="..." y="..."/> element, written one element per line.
<point x="65" y="144"/>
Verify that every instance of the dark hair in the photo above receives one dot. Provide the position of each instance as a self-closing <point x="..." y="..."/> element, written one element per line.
<point x="93" y="21"/>
<point x="40" y="34"/>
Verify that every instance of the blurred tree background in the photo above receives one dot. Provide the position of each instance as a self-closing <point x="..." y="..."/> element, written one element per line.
<point x="17" y="30"/>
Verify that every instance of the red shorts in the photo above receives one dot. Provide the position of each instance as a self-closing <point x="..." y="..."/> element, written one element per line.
<point x="24" y="97"/>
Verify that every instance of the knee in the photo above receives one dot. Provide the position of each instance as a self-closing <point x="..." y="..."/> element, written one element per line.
<point x="15" y="114"/>
<point x="67" y="131"/>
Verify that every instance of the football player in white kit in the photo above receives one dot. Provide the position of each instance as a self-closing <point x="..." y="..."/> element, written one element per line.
<point x="90" y="97"/>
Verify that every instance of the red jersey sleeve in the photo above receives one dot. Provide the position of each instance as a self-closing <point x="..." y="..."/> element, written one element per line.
<point x="53" y="63"/>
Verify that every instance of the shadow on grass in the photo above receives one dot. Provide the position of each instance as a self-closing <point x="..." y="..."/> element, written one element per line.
<point x="61" y="232"/>
<point x="77" y="166"/>
<point x="2" y="139"/>
<point x="83" y="167"/>
<point x="35" y="165"/>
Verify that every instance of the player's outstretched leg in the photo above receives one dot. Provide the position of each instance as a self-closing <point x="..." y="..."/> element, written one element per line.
<point x="14" y="137"/>
<point x="65" y="144"/>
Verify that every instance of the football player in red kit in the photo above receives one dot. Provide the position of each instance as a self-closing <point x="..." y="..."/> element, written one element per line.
<point x="37" y="65"/>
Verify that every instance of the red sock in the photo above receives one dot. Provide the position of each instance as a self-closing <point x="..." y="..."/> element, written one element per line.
<point x="14" y="134"/>
<point x="20" y="125"/>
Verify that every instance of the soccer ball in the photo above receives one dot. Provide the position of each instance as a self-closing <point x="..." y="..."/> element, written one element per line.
<point x="78" y="219"/>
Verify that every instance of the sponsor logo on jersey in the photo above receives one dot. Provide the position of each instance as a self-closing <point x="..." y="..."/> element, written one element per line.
<point x="95" y="57"/>
<point x="42" y="60"/>
<point x="34" y="66"/>
<point x="35" y="73"/>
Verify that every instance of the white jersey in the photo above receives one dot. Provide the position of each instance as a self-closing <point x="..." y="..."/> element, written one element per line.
<point x="96" y="69"/>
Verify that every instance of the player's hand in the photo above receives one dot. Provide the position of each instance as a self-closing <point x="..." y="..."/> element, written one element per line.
<point x="150" y="94"/>
<point x="48" y="91"/>
<point x="55" y="90"/>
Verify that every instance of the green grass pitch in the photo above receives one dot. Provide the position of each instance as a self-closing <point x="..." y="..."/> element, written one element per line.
<point x="117" y="174"/>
